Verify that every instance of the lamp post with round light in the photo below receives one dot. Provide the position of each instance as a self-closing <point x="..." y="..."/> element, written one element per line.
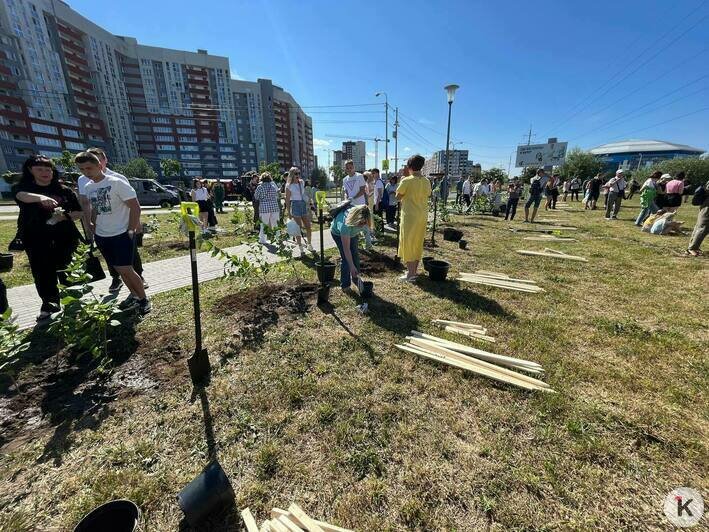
<point x="450" y="91"/>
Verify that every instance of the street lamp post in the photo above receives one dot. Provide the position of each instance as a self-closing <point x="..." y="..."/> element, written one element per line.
<point x="450" y="90"/>
<point x="386" y="122"/>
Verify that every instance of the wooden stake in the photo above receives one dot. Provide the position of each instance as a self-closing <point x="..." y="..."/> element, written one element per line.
<point x="553" y="255"/>
<point x="290" y="525"/>
<point x="479" y="353"/>
<point x="327" y="527"/>
<point x="481" y="273"/>
<point x="305" y="521"/>
<point x="277" y="526"/>
<point x="249" y="520"/>
<point x="517" y="287"/>
<point x="462" y="325"/>
<point x="469" y="333"/>
<point x="472" y="368"/>
<point x="524" y="282"/>
<point x="429" y="347"/>
<point x="550" y="238"/>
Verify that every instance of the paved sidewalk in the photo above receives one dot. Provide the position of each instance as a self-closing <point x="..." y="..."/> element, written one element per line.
<point x="162" y="275"/>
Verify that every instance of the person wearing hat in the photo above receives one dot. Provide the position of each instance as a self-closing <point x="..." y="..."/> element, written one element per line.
<point x="616" y="189"/>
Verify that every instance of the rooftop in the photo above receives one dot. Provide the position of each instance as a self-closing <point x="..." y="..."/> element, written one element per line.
<point x="635" y="145"/>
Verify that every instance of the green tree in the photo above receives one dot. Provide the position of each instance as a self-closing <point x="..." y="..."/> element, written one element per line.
<point x="138" y="168"/>
<point x="581" y="164"/>
<point x="338" y="174"/>
<point x="65" y="161"/>
<point x="272" y="168"/>
<point x="318" y="178"/>
<point x="697" y="170"/>
<point x="492" y="174"/>
<point x="170" y="167"/>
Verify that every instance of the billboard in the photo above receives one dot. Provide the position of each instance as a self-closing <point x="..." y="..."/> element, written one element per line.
<point x="551" y="154"/>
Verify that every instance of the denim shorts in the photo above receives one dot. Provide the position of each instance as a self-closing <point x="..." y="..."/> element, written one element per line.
<point x="536" y="199"/>
<point x="117" y="250"/>
<point x="298" y="208"/>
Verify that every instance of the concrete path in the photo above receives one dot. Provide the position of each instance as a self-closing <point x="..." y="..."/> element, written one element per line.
<point x="162" y="275"/>
<point x="10" y="212"/>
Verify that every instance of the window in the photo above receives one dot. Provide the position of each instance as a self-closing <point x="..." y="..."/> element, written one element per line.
<point x="44" y="128"/>
<point x="160" y="120"/>
<point x="164" y="138"/>
<point x="184" y="122"/>
<point x="162" y="129"/>
<point x="70" y="133"/>
<point x="44" y="141"/>
<point x="166" y="147"/>
<point x="186" y="130"/>
<point x="189" y="148"/>
<point x="187" y="139"/>
<point x="70" y="145"/>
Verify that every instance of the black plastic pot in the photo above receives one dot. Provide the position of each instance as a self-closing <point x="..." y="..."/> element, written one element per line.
<point x="6" y="260"/>
<point x="426" y="261"/>
<point x="366" y="290"/>
<point x="462" y="244"/>
<point x="438" y="270"/>
<point x="208" y="492"/>
<point x="114" y="516"/>
<point x="452" y="235"/>
<point x="326" y="272"/>
<point x="323" y="294"/>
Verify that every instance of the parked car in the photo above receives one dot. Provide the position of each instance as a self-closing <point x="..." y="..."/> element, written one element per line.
<point x="181" y="192"/>
<point x="150" y="192"/>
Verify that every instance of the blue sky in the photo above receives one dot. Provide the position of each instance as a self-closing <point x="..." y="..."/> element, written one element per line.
<point x="587" y="73"/>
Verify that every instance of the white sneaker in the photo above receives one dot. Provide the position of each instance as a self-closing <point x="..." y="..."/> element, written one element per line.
<point x="310" y="248"/>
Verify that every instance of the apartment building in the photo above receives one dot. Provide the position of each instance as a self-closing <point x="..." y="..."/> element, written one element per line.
<point x="66" y="84"/>
<point x="357" y="151"/>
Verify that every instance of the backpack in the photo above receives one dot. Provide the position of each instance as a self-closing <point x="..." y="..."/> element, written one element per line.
<point x="700" y="194"/>
<point x="535" y="188"/>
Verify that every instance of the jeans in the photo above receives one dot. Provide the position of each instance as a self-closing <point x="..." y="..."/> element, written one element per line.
<point x="367" y="237"/>
<point x="511" y="209"/>
<point x="644" y="213"/>
<point x="345" y="278"/>
<point x="613" y="201"/>
<point x="701" y="229"/>
<point x="391" y="214"/>
<point x="574" y="193"/>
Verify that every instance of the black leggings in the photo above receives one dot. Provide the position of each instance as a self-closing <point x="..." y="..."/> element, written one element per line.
<point x="46" y="259"/>
<point x="511" y="209"/>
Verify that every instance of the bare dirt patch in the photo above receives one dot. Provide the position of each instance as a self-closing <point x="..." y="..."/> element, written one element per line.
<point x="374" y="263"/>
<point x="261" y="307"/>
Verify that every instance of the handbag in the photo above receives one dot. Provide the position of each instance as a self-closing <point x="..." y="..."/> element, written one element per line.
<point x="93" y="267"/>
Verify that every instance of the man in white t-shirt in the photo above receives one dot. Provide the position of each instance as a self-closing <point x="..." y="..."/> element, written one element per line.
<point x="114" y="222"/>
<point x="354" y="185"/>
<point x="378" y="190"/>
<point x="116" y="282"/>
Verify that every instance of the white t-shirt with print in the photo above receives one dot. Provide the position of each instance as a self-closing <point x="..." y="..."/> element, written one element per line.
<point x="83" y="180"/>
<point x="108" y="199"/>
<point x="352" y="184"/>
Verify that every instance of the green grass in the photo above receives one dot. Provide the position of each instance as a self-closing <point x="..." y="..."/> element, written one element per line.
<point x="326" y="412"/>
<point x="167" y="242"/>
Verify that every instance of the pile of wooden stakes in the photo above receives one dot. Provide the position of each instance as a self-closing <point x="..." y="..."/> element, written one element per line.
<point x="497" y="367"/>
<point x="292" y="520"/>
<point x="466" y="329"/>
<point x="553" y="253"/>
<point x="500" y="280"/>
<point x="549" y="238"/>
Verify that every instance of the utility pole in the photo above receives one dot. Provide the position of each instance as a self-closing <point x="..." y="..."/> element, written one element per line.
<point x="386" y="122"/>
<point x="396" y="139"/>
<point x="529" y="137"/>
<point x="376" y="152"/>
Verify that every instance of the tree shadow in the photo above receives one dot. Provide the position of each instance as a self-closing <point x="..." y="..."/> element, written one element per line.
<point x="455" y="292"/>
<point x="77" y="395"/>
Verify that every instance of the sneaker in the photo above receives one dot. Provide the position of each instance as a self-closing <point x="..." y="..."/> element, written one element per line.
<point x="43" y="315"/>
<point x="310" y="248"/>
<point x="128" y="302"/>
<point x="46" y="311"/>
<point x="116" y="285"/>
<point x="607" y="218"/>
<point x="144" y="306"/>
<point x="145" y="283"/>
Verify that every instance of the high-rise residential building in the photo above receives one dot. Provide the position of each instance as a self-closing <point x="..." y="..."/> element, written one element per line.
<point x="338" y="157"/>
<point x="357" y="151"/>
<point x="458" y="164"/>
<point x="66" y="84"/>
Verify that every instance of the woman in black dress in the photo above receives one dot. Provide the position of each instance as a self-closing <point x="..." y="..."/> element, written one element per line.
<point x="50" y="237"/>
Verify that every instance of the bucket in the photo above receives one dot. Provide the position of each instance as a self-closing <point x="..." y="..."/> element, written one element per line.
<point x="115" y="516"/>
<point x="208" y="492"/>
<point x="452" y="235"/>
<point x="462" y="244"/>
<point x="6" y="260"/>
<point x="323" y="294"/>
<point x="366" y="289"/>
<point x="326" y="272"/>
<point x="426" y="261"/>
<point x="438" y="270"/>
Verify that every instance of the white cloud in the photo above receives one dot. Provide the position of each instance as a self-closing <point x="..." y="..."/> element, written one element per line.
<point x="370" y="154"/>
<point x="321" y="143"/>
<point x="236" y="75"/>
<point x="407" y="148"/>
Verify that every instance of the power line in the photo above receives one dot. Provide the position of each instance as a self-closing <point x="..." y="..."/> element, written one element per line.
<point x="663" y="122"/>
<point x="638" y="67"/>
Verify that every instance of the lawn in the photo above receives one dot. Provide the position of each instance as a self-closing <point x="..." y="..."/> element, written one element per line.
<point x="316" y="405"/>
<point x="165" y="242"/>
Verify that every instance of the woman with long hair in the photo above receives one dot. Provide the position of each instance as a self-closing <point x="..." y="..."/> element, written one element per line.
<point x="345" y="230"/>
<point x="200" y="194"/>
<point x="297" y="205"/>
<point x="413" y="193"/>
<point x="48" y="211"/>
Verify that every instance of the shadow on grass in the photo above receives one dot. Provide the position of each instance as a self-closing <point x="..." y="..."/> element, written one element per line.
<point x="77" y="395"/>
<point x="453" y="291"/>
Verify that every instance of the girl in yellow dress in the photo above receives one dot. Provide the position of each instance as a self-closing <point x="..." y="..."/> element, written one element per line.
<point x="413" y="193"/>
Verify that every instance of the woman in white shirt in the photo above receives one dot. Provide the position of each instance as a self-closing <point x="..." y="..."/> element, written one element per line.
<point x="297" y="205"/>
<point x="200" y="194"/>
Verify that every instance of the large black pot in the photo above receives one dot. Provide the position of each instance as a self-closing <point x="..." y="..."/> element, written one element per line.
<point x="326" y="272"/>
<point x="452" y="235"/>
<point x="366" y="289"/>
<point x="438" y="270"/>
<point x="426" y="261"/>
<point x="114" y="516"/>
<point x="6" y="260"/>
<point x="208" y="492"/>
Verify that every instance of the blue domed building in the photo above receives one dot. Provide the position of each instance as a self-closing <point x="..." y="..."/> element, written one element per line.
<point x="633" y="154"/>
